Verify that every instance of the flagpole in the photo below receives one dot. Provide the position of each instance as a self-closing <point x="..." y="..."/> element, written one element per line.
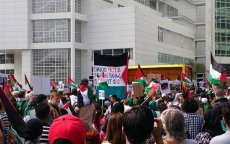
<point x="145" y="100"/>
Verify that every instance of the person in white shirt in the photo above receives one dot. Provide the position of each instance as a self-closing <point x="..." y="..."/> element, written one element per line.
<point x="224" y="138"/>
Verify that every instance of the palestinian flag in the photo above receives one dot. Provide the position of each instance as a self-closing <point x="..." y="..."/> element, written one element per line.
<point x="217" y="72"/>
<point x="27" y="83"/>
<point x="14" y="83"/>
<point x="151" y="89"/>
<point x="54" y="85"/>
<point x="207" y="84"/>
<point x="66" y="105"/>
<point x="12" y="80"/>
<point x="71" y="83"/>
<point x="6" y="89"/>
<point x="111" y="71"/>
<point x="103" y="82"/>
<point x="139" y="76"/>
<point x="15" y="119"/>
<point x="185" y="79"/>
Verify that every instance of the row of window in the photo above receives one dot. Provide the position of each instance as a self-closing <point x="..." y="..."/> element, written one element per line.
<point x="49" y="31"/>
<point x="222" y="25"/>
<point x="50" y="6"/>
<point x="46" y="31"/>
<point x="222" y="3"/>
<point x="171" y="11"/>
<point x="172" y="59"/>
<point x="7" y="59"/>
<point x="149" y="3"/>
<point x="173" y="38"/>
<point x="115" y="52"/>
<point x="54" y="6"/>
<point x="8" y="71"/>
<point x="54" y="63"/>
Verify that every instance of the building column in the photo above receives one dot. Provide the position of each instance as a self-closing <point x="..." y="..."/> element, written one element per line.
<point x="72" y="66"/>
<point x="27" y="66"/>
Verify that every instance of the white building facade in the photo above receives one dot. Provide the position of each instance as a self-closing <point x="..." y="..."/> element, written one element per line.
<point x="57" y="38"/>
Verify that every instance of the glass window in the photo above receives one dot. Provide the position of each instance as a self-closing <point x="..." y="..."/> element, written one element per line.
<point x="107" y="52"/>
<point x="77" y="31"/>
<point x="160" y="34"/>
<point x="172" y="59"/>
<point x="54" y="63"/>
<point x="118" y="51"/>
<point x="46" y="31"/>
<point x="50" y="6"/>
<point x="171" y="11"/>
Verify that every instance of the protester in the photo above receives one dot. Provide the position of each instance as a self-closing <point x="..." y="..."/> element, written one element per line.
<point x="84" y="105"/>
<point x="67" y="129"/>
<point x="42" y="113"/>
<point x="92" y="136"/>
<point x="54" y="102"/>
<point x="33" y="131"/>
<point x="116" y="108"/>
<point x="7" y="133"/>
<point x="174" y="126"/>
<point x="193" y="121"/>
<point x="138" y="125"/>
<point x="224" y="138"/>
<point x="114" y="133"/>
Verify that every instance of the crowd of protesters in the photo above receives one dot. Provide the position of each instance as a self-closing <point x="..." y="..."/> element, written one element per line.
<point x="193" y="117"/>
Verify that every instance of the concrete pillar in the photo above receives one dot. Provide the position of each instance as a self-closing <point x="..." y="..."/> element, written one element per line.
<point x="72" y="66"/>
<point x="26" y="66"/>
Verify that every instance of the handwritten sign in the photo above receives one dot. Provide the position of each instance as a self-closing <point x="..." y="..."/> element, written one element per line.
<point x="113" y="75"/>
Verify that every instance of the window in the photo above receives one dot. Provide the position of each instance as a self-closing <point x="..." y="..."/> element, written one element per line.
<point x="54" y="63"/>
<point x="7" y="59"/>
<point x="172" y="59"/>
<point x="222" y="27"/>
<point x="77" y="5"/>
<point x="115" y="52"/>
<point x="49" y="31"/>
<point x="171" y="11"/>
<point x="160" y="34"/>
<point x="50" y="6"/>
<point x="149" y="3"/>
<point x="77" y="31"/>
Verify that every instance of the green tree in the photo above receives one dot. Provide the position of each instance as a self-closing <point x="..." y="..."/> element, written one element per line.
<point x="196" y="68"/>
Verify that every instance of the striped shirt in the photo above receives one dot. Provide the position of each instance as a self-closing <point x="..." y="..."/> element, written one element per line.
<point x="6" y="126"/>
<point x="45" y="133"/>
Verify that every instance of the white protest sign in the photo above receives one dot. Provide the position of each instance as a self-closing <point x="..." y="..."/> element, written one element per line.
<point x="101" y="94"/>
<point x="41" y="85"/>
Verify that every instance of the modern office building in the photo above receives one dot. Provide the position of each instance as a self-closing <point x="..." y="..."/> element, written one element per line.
<point x="57" y="38"/>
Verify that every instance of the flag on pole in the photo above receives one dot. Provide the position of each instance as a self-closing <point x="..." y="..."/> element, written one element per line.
<point x="16" y="86"/>
<point x="71" y="83"/>
<point x="54" y="85"/>
<point x="103" y="82"/>
<point x="6" y="89"/>
<point x="66" y="105"/>
<point x="185" y="79"/>
<point x="139" y="76"/>
<point x="12" y="79"/>
<point x="151" y="89"/>
<point x="217" y="72"/>
<point x="15" y="119"/>
<point x="27" y="83"/>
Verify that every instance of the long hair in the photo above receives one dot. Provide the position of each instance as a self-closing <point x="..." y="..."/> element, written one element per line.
<point x="114" y="129"/>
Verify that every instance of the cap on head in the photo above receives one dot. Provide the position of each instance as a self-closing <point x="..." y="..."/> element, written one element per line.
<point x="67" y="127"/>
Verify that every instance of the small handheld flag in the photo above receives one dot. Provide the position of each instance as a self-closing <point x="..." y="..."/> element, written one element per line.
<point x="139" y="76"/>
